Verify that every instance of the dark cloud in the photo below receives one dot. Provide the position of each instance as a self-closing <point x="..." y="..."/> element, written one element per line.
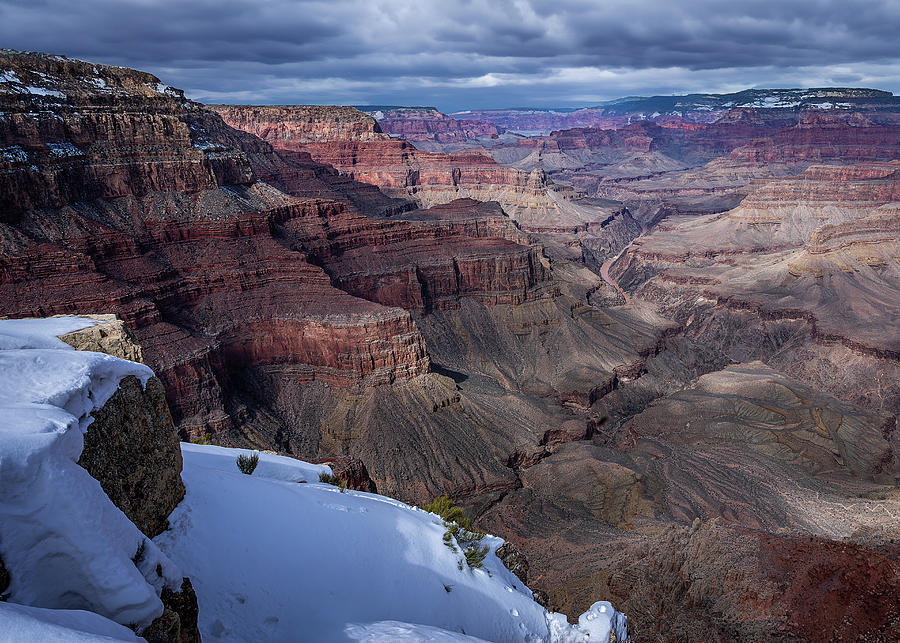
<point x="475" y="53"/>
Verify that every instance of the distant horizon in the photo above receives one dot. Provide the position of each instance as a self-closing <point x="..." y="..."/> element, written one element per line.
<point x="473" y="55"/>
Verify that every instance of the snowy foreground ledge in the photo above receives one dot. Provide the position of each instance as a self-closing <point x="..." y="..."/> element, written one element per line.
<point x="276" y="556"/>
<point x="279" y="556"/>
<point x="65" y="544"/>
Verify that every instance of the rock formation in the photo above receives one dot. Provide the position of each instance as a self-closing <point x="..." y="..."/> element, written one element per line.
<point x="129" y="445"/>
<point x="424" y="124"/>
<point x="692" y="108"/>
<point x="795" y="252"/>
<point x="353" y="143"/>
<point x="241" y="291"/>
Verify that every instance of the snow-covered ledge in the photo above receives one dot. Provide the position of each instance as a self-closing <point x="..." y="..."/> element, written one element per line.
<point x="64" y="543"/>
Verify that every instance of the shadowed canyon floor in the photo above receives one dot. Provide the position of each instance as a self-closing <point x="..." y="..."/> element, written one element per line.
<point x="639" y="399"/>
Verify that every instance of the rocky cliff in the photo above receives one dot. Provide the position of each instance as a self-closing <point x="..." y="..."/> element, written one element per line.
<point x="354" y="144"/>
<point x="796" y="248"/>
<point x="155" y="218"/>
<point x="112" y="418"/>
<point x="658" y="168"/>
<point x="284" y="305"/>
<point x="420" y="124"/>
<point x="288" y="306"/>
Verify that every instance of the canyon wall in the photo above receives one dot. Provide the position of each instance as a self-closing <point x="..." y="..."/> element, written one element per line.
<point x="420" y="124"/>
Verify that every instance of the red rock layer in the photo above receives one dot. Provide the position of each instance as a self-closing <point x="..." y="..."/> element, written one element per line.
<point x="353" y="143"/>
<point x="121" y="196"/>
<point x="428" y="124"/>
<point x="823" y="137"/>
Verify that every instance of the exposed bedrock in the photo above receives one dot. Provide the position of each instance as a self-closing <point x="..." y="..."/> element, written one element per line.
<point x="706" y="168"/>
<point x="817" y="252"/>
<point x="228" y="273"/>
<point x="755" y="452"/>
<point x="353" y="143"/>
<point x="428" y="124"/>
<point x="506" y="378"/>
<point x="712" y="582"/>
<point x="132" y="448"/>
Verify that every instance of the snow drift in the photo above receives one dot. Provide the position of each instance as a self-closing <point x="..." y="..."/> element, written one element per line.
<point x="64" y="543"/>
<point x="279" y="556"/>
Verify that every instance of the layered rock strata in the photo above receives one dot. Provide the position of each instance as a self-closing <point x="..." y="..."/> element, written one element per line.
<point x="170" y="227"/>
<point x="354" y="144"/>
<point x="421" y="124"/>
<point x="229" y="284"/>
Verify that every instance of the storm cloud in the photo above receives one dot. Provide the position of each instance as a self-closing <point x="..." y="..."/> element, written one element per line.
<point x="472" y="53"/>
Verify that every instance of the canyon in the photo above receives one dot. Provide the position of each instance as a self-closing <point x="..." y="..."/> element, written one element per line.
<point x="643" y="350"/>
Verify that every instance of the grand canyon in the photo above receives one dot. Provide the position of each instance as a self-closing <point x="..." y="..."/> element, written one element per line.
<point x="653" y="344"/>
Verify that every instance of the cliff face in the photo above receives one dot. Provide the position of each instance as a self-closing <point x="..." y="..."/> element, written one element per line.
<point x="122" y="195"/>
<point x="428" y="124"/>
<point x="818" y="249"/>
<point x="286" y="305"/>
<point x="242" y="294"/>
<point x="353" y="143"/>
<point x="658" y="168"/>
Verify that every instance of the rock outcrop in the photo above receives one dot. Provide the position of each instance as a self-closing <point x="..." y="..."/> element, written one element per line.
<point x="72" y="546"/>
<point x="353" y="143"/>
<point x="421" y="124"/>
<point x="240" y="288"/>
<point x="110" y="336"/>
<point x="132" y="449"/>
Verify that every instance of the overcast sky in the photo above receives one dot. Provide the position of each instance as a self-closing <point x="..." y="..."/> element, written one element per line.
<point x="472" y="53"/>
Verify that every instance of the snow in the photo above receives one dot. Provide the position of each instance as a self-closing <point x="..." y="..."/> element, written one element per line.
<point x="277" y="553"/>
<point x="600" y="620"/>
<point x="389" y="631"/>
<point x="13" y="154"/>
<point x="41" y="91"/>
<point x="9" y="77"/>
<point x="207" y="146"/>
<point x="162" y="88"/>
<point x="63" y="149"/>
<point x="40" y="333"/>
<point x="21" y="624"/>
<point x="97" y="81"/>
<point x="65" y="544"/>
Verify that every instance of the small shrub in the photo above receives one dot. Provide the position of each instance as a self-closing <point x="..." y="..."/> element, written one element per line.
<point x="206" y="438"/>
<point x="247" y="463"/>
<point x="459" y="534"/>
<point x="475" y="555"/>
<point x="329" y="478"/>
